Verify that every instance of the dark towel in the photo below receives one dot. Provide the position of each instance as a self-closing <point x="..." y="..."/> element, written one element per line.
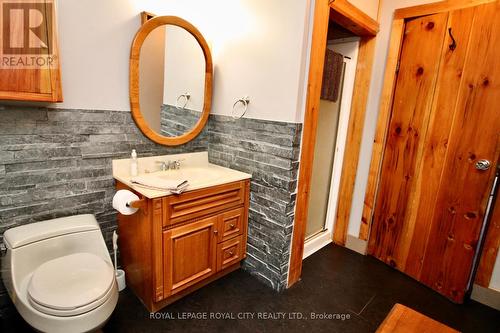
<point x="332" y="74"/>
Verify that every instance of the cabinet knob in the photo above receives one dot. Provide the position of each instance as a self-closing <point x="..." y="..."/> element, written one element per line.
<point x="232" y="226"/>
<point x="231" y="253"/>
<point x="216" y="232"/>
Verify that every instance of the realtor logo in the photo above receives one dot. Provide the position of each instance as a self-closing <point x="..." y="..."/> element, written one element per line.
<point x="27" y="33"/>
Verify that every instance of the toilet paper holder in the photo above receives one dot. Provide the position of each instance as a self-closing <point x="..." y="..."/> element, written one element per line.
<point x="139" y="204"/>
<point x="127" y="202"/>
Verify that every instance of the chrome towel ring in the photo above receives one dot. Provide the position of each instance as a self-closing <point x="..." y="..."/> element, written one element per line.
<point x="244" y="101"/>
<point x="186" y="97"/>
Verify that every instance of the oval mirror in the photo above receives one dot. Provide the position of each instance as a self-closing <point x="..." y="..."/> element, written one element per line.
<point x="170" y="80"/>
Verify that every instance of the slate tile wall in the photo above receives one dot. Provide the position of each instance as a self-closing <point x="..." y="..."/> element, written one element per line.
<point x="176" y="121"/>
<point x="56" y="162"/>
<point x="268" y="150"/>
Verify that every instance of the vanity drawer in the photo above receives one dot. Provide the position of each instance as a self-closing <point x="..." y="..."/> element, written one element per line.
<point x="229" y="252"/>
<point x="230" y="224"/>
<point x="195" y="204"/>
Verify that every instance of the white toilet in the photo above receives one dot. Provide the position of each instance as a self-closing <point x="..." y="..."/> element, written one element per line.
<point x="59" y="274"/>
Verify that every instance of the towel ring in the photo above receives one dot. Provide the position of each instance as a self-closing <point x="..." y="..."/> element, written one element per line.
<point x="245" y="101"/>
<point x="186" y="96"/>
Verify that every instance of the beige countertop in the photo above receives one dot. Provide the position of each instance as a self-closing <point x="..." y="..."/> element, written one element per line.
<point x="195" y="168"/>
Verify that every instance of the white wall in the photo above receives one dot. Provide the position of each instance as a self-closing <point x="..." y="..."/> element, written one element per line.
<point x="94" y="42"/>
<point x="258" y="49"/>
<point x="369" y="7"/>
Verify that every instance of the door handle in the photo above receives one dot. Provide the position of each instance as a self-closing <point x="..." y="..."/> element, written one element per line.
<point x="483" y="165"/>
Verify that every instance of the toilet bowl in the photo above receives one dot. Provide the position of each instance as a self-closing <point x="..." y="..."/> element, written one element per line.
<point x="59" y="274"/>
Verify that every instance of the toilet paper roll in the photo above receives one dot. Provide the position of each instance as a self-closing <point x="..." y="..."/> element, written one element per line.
<point x="121" y="200"/>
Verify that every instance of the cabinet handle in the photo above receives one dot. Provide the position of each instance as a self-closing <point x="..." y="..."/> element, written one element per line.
<point x="231" y="253"/>
<point x="216" y="232"/>
<point x="232" y="226"/>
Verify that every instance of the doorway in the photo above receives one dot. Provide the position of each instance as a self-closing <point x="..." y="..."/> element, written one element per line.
<point x="360" y="24"/>
<point x="333" y="121"/>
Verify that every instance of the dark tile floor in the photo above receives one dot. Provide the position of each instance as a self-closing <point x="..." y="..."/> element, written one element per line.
<point x="334" y="281"/>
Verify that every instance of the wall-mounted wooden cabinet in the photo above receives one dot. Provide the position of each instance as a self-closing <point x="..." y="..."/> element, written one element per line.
<point x="179" y="243"/>
<point x="30" y="64"/>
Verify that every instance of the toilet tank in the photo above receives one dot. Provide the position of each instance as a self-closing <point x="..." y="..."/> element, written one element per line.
<point x="34" y="232"/>
<point x="30" y="245"/>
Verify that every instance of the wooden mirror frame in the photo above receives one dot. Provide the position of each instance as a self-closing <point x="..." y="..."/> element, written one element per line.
<point x="135" y="52"/>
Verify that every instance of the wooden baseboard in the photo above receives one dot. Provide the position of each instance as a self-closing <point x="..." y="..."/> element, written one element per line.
<point x="356" y="244"/>
<point x="486" y="296"/>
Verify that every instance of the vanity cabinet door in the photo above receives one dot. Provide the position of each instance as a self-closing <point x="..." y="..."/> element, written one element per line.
<point x="190" y="254"/>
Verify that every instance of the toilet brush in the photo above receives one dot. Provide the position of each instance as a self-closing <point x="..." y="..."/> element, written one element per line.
<point x="115" y="248"/>
<point x="119" y="273"/>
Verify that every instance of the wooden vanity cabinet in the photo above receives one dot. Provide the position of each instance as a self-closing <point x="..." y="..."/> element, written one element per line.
<point x="31" y="73"/>
<point x="179" y="243"/>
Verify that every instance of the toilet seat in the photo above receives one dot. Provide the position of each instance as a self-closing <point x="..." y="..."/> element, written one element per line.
<point x="71" y="285"/>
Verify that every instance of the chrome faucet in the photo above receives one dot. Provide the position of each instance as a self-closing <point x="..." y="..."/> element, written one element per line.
<point x="164" y="166"/>
<point x="169" y="165"/>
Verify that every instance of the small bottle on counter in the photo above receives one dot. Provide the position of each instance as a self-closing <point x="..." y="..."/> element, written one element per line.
<point x="134" y="164"/>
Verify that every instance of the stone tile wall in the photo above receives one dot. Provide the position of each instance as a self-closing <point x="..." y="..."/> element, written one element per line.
<point x="268" y="150"/>
<point x="56" y="162"/>
<point x="175" y="122"/>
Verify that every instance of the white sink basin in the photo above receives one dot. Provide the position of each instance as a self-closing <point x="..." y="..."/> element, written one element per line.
<point x="196" y="176"/>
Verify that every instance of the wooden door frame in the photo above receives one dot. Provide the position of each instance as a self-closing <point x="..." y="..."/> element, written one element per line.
<point x="353" y="19"/>
<point x="386" y="101"/>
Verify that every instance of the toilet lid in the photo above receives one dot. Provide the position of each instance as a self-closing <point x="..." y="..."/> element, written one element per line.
<point x="71" y="282"/>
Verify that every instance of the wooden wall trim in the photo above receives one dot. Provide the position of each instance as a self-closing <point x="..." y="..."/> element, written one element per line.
<point x="354" y="137"/>
<point x="367" y="27"/>
<point x="395" y="43"/>
<point x="352" y="18"/>
<point x="436" y="7"/>
<point x="318" y="48"/>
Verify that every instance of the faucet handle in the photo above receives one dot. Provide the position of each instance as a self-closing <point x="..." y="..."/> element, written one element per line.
<point x="163" y="165"/>
<point x="176" y="164"/>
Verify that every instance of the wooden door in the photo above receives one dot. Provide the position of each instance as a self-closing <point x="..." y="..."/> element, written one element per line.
<point x="190" y="254"/>
<point x="445" y="118"/>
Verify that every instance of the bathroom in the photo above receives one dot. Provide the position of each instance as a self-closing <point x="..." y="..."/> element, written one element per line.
<point x="60" y="158"/>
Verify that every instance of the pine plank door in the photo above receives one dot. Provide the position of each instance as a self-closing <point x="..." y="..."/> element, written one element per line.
<point x="445" y="120"/>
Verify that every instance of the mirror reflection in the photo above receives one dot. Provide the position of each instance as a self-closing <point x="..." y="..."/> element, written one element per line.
<point x="171" y="80"/>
